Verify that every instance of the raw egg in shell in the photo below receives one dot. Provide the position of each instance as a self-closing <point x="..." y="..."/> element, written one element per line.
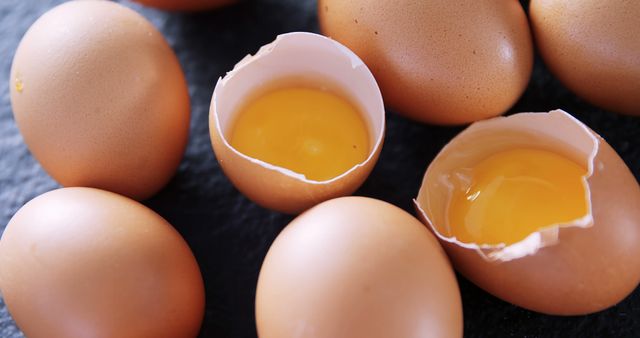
<point x="538" y="210"/>
<point x="300" y="122"/>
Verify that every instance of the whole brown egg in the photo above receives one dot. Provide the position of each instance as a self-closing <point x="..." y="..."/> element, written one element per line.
<point x="356" y="267"/>
<point x="444" y="62"/>
<point x="100" y="98"/>
<point x="83" y="262"/>
<point x="593" y="47"/>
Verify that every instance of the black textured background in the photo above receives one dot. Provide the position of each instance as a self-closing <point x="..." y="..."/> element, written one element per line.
<point x="230" y="235"/>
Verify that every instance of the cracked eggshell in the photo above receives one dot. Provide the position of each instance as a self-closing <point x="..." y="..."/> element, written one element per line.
<point x="100" y="98"/>
<point x="316" y="59"/>
<point x="564" y="269"/>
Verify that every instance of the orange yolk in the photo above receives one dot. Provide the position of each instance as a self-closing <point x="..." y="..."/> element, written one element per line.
<point x="309" y="131"/>
<point x="515" y="193"/>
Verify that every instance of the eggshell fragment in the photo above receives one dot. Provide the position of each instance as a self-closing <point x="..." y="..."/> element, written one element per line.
<point x="100" y="98"/>
<point x="293" y="56"/>
<point x="443" y="62"/>
<point x="82" y="262"/>
<point x="357" y="267"/>
<point x="567" y="269"/>
<point x="593" y="47"/>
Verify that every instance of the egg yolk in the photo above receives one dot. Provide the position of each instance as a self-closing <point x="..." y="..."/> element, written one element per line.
<point x="515" y="193"/>
<point x="306" y="130"/>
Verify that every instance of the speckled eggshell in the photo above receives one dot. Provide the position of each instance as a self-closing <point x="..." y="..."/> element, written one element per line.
<point x="186" y="5"/>
<point x="443" y="62"/>
<point x="83" y="262"/>
<point x="100" y="98"/>
<point x="593" y="47"/>
<point x="357" y="267"/>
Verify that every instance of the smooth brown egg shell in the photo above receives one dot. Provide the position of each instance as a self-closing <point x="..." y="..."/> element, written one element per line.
<point x="186" y="5"/>
<point x="291" y="56"/>
<point x="83" y="262"/>
<point x="357" y="267"/>
<point x="444" y="62"/>
<point x="100" y="98"/>
<point x="593" y="47"/>
<point x="568" y="270"/>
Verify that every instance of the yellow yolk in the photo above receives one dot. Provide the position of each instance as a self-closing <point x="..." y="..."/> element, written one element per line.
<point x="309" y="131"/>
<point x="515" y="193"/>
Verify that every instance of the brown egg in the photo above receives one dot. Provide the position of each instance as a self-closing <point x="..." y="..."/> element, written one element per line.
<point x="438" y="61"/>
<point x="579" y="267"/>
<point x="357" y="267"/>
<point x="186" y="5"/>
<point x="593" y="48"/>
<point x="83" y="262"/>
<point x="100" y="98"/>
<point x="297" y="57"/>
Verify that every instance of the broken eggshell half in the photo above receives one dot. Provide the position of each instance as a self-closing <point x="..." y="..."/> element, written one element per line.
<point x="573" y="268"/>
<point x="296" y="57"/>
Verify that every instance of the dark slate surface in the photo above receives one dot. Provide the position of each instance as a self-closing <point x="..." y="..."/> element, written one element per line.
<point x="230" y="235"/>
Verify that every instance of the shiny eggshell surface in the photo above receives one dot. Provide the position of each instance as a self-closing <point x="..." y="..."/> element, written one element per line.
<point x="593" y="47"/>
<point x="318" y="60"/>
<point x="186" y="5"/>
<point x="443" y="62"/>
<point x="100" y="98"/>
<point x="357" y="267"/>
<point x="572" y="269"/>
<point x="83" y="262"/>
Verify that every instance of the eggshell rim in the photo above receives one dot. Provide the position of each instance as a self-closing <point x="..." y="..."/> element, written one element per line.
<point x="545" y="236"/>
<point x="356" y="64"/>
